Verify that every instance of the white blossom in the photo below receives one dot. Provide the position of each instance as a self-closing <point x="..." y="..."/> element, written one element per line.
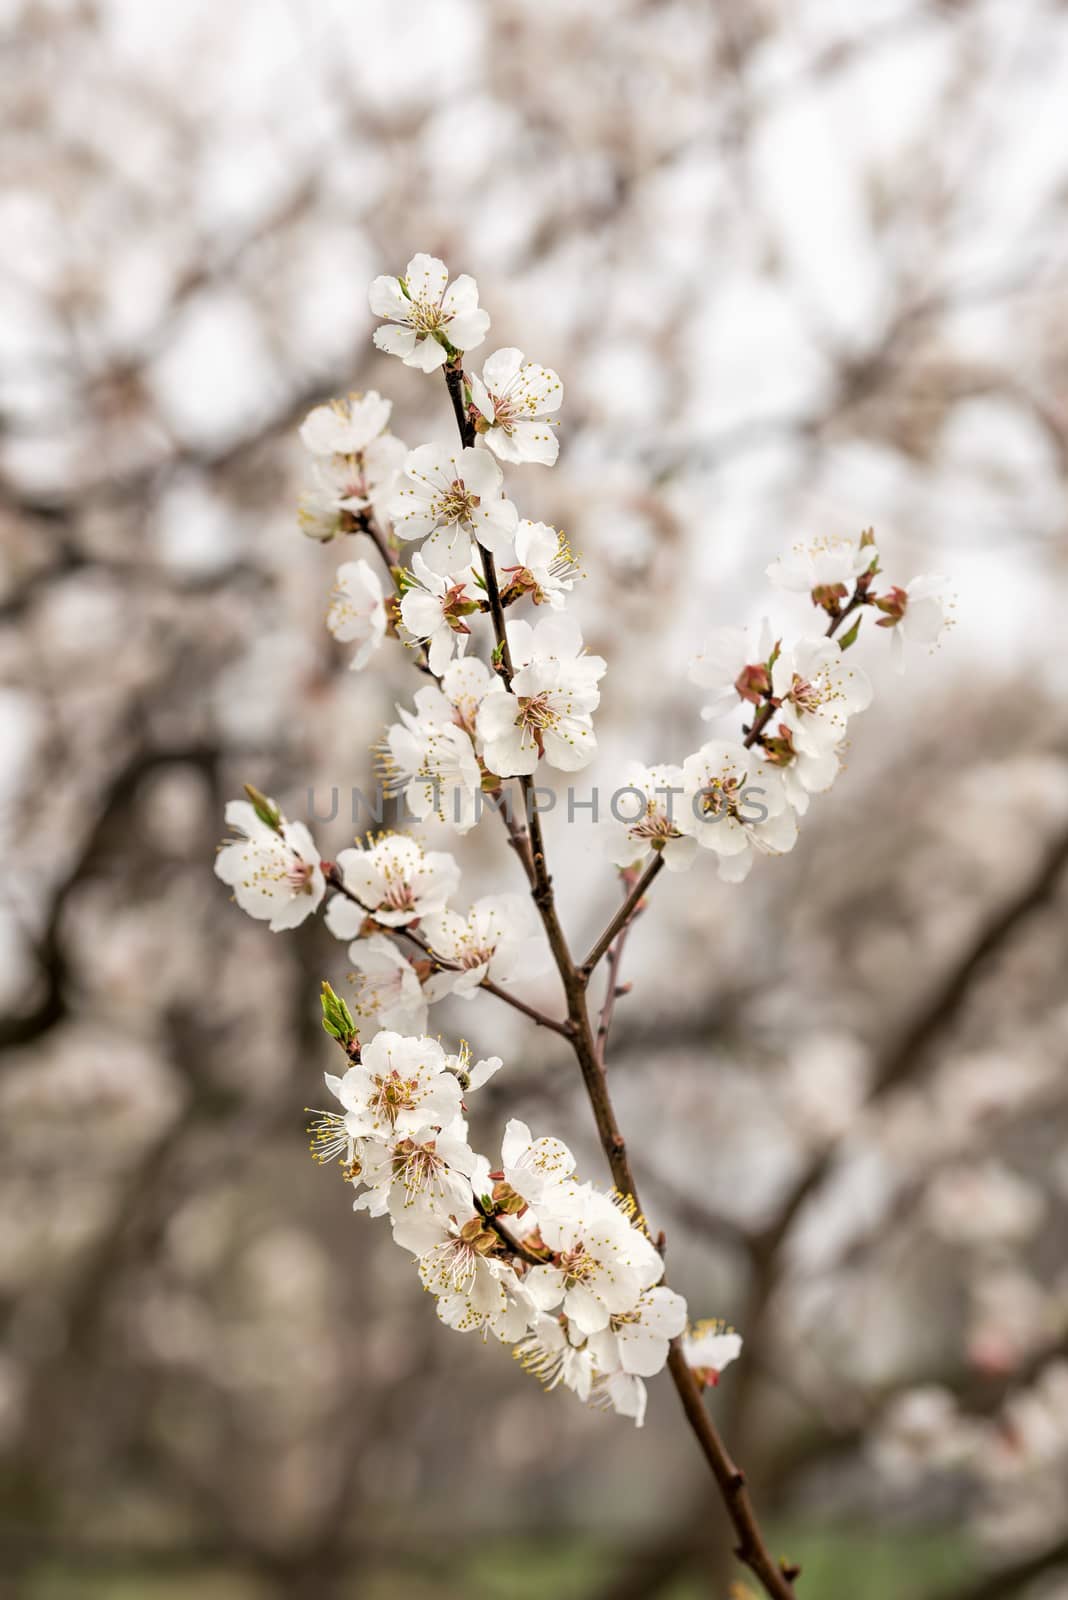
<point x="472" y="1077"/>
<point x="627" y="1396"/>
<point x="637" y="1341"/>
<point x="357" y="611"/>
<point x="709" y="1347"/>
<point x="426" y="313"/>
<point x="274" y="872"/>
<point x="553" y="637"/>
<point x="733" y="665"/>
<point x="604" y="1263"/>
<point x="431" y="760"/>
<point x="345" y="427"/>
<point x="342" y="487"/>
<point x="448" y="497"/>
<point x="320" y="514"/>
<point x="917" y="615"/>
<point x="534" y="1168"/>
<point x="474" y="1289"/>
<point x="649" y="801"/>
<point x="388" y="991"/>
<point x="499" y="939"/>
<point x="506" y="1323"/>
<point x="427" y="1172"/>
<point x="817" y="690"/>
<point x="465" y="683"/>
<point x="827" y="566"/>
<point x="514" y="397"/>
<point x="547" y="711"/>
<point x="549" y="1353"/>
<point x="803" y="775"/>
<point x="395" y="881"/>
<point x="544" y="568"/>
<point x="557" y="1352"/>
<point x="433" y="609"/>
<point x="399" y="1086"/>
<point x="734" y="804"/>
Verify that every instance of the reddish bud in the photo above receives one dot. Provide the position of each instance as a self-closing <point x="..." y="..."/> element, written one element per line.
<point x="893" y="606"/>
<point x="830" y="597"/>
<point x="753" y="683"/>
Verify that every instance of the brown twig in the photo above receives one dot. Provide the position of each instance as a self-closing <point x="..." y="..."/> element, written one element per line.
<point x="613" y="990"/>
<point x="629" y="909"/>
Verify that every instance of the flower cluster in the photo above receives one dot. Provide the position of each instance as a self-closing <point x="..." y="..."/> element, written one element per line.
<point x="522" y="1250"/>
<point x="742" y="796"/>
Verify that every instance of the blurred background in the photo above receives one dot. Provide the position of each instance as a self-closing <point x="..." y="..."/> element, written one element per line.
<point x="802" y="268"/>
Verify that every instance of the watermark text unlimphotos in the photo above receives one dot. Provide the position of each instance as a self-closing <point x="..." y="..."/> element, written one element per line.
<point x="627" y="805"/>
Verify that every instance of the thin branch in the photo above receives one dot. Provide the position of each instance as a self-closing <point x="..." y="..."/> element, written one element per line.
<point x="368" y="524"/>
<point x="629" y="908"/>
<point x="613" y="990"/>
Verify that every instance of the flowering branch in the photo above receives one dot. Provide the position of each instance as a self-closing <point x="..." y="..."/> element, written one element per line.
<point x="523" y="1250"/>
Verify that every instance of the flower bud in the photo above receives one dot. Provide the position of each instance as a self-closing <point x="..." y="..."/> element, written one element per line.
<point x="337" y="1018"/>
<point x="265" y="809"/>
<point x="753" y="683"/>
<point x="505" y="1199"/>
<point x="893" y="606"/>
<point x="830" y="597"/>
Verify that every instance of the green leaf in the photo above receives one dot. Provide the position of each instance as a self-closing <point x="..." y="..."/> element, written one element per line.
<point x="850" y="636"/>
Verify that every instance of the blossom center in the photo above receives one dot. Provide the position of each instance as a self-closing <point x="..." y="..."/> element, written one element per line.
<point x="721" y="797"/>
<point x="537" y="711"/>
<point x="504" y="412"/>
<point x="416" y="1166"/>
<point x="457" y="1262"/>
<point x="577" y="1265"/>
<point x="393" y="1094"/>
<point x="806" y="696"/>
<point x="472" y="956"/>
<point x="655" y="826"/>
<point x="399" y="897"/>
<point x="425" y="316"/>
<point x="299" y="875"/>
<point x="536" y="715"/>
<point x="354" y="483"/>
<point x="456" y="504"/>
